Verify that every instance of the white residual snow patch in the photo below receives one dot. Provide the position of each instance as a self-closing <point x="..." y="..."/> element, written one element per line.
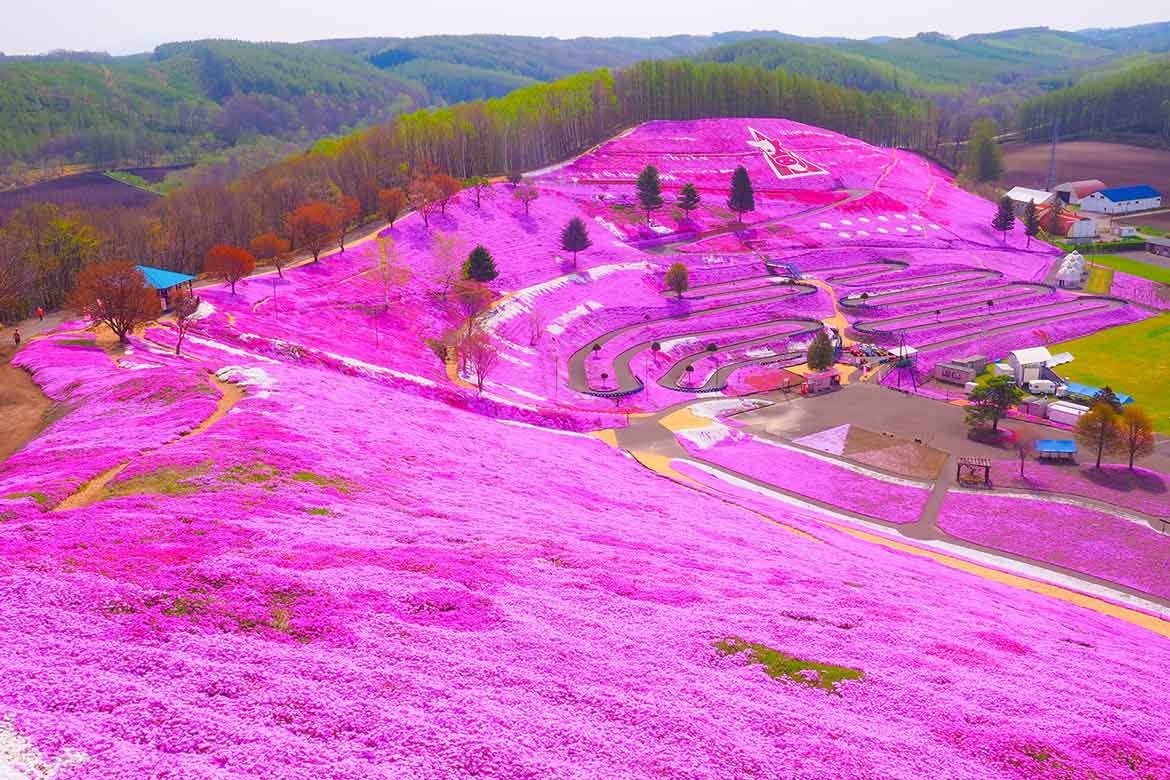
<point x="517" y="391"/>
<point x="612" y="228"/>
<point x="252" y="377"/>
<point x="20" y="759"/>
<point x="707" y="437"/>
<point x="601" y="271"/>
<point x="230" y="350"/>
<point x="672" y="344"/>
<point x="205" y="309"/>
<point x="556" y="431"/>
<point x="515" y="360"/>
<point x="713" y="410"/>
<point x="130" y="365"/>
<point x="375" y="369"/>
<point x="557" y="326"/>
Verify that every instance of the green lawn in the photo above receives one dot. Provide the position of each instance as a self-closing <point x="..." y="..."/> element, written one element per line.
<point x="1134" y="267"/>
<point x="1132" y="359"/>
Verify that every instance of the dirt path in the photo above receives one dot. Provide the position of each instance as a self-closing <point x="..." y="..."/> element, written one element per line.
<point x="94" y="490"/>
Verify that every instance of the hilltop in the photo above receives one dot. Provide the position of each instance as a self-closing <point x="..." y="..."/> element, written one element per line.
<point x="308" y="547"/>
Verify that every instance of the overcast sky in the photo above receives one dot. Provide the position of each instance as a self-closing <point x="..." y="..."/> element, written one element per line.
<point x="127" y="26"/>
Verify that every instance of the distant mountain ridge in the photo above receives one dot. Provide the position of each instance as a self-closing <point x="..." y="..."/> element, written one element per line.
<point x="187" y="99"/>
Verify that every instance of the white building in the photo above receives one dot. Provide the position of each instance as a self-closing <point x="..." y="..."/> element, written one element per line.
<point x="1123" y="200"/>
<point x="1022" y="196"/>
<point x="1085" y="227"/>
<point x="1027" y="364"/>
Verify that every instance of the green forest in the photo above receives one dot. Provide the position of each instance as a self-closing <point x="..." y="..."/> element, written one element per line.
<point x="193" y="100"/>
<point x="1132" y="101"/>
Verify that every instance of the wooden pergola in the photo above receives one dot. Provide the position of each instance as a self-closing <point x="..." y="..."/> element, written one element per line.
<point x="970" y="472"/>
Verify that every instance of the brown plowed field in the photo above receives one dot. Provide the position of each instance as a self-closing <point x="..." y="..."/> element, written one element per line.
<point x="1117" y="165"/>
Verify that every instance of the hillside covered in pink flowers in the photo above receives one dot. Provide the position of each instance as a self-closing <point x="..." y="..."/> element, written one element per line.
<point x="307" y="548"/>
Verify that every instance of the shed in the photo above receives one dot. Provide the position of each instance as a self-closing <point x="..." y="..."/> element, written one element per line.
<point x="1022" y="196"/>
<point x="954" y="372"/>
<point x="164" y="281"/>
<point x="1071" y="192"/>
<point x="820" y="382"/>
<point x="1028" y="364"/>
<point x="1066" y="412"/>
<point x="1056" y="449"/>
<point x="1084" y="227"/>
<point x="1123" y="200"/>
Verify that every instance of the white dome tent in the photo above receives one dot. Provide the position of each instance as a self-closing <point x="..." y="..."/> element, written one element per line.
<point x="1068" y="275"/>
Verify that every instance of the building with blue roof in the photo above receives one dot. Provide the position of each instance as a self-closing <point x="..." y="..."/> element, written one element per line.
<point x="164" y="281"/>
<point x="1123" y="200"/>
<point x="1090" y="392"/>
<point x="1056" y="449"/>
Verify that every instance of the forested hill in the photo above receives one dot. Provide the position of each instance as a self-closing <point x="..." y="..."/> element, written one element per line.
<point x="187" y="98"/>
<point x="821" y="61"/>
<point x="470" y="67"/>
<point x="1131" y="101"/>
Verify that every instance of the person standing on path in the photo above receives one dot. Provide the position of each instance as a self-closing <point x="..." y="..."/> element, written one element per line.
<point x="16" y="337"/>
<point x="41" y="313"/>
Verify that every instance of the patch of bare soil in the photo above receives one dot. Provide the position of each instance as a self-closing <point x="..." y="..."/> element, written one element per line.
<point x="24" y="409"/>
<point x="894" y="454"/>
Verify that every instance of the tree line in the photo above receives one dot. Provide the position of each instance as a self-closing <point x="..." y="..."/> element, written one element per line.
<point x="349" y="180"/>
<point x="1136" y="100"/>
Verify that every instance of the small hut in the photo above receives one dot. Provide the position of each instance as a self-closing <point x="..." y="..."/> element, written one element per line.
<point x="165" y="281"/>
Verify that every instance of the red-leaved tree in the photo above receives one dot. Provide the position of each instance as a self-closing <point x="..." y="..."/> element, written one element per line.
<point x="115" y="294"/>
<point x="314" y="225"/>
<point x="230" y="263"/>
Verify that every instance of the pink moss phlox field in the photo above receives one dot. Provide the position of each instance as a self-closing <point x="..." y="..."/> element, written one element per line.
<point x="854" y="488"/>
<point x="1140" y="290"/>
<point x="357" y="568"/>
<point x="1090" y="541"/>
<point x="1141" y="490"/>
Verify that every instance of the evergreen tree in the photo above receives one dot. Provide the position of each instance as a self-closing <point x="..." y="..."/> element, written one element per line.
<point x="688" y="199"/>
<point x="575" y="238"/>
<point x="820" y="352"/>
<point x="678" y="279"/>
<point x="1106" y="396"/>
<point x="479" y="265"/>
<point x="992" y="400"/>
<point x="649" y="190"/>
<point x="742" y="199"/>
<point x="1032" y="220"/>
<point x="1005" y="217"/>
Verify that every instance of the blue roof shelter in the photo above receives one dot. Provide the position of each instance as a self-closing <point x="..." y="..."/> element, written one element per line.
<point x="161" y="279"/>
<point x="1088" y="391"/>
<point x="1059" y="449"/>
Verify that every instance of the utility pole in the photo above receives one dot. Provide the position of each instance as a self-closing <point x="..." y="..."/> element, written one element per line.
<point x="1052" y="156"/>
